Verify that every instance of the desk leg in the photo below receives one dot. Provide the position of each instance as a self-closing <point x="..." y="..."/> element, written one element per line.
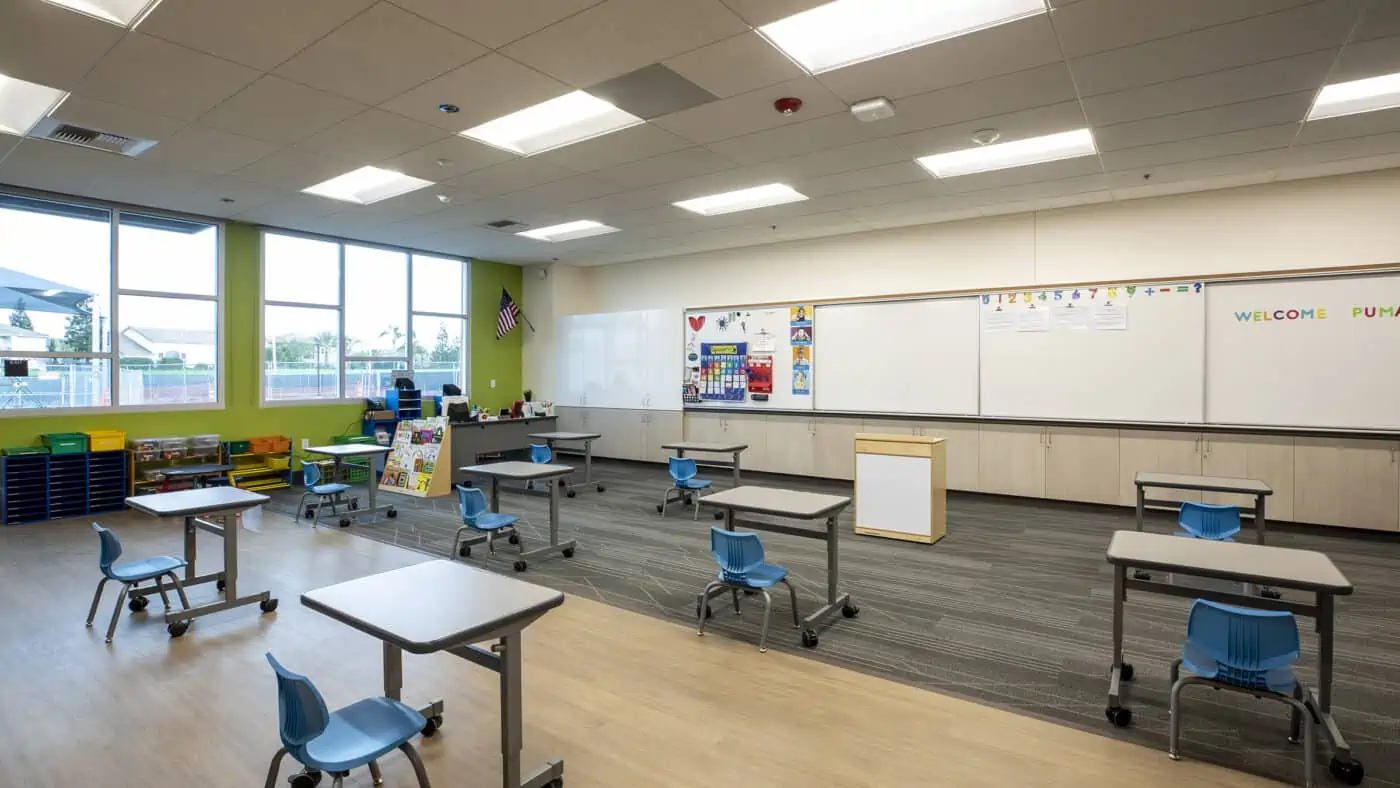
<point x="512" y="714"/>
<point x="1141" y="505"/>
<point x="393" y="688"/>
<point x="736" y="468"/>
<point x="495" y="494"/>
<point x="554" y="546"/>
<point x="177" y="621"/>
<point x="1118" y="672"/>
<point x="190" y="550"/>
<point x="1342" y="766"/>
<point x="1261" y="532"/>
<point x="836" y="602"/>
<point x="231" y="528"/>
<point x="588" y="465"/>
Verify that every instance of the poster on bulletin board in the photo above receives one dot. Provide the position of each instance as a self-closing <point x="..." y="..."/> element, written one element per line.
<point x="751" y="357"/>
<point x="412" y="465"/>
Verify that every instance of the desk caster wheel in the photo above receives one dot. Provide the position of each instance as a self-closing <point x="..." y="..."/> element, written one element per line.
<point x="1125" y="672"/>
<point x="568" y="552"/>
<point x="658" y="508"/>
<point x="601" y="488"/>
<point x="850" y="611"/>
<point x="465" y="551"/>
<point x="1269" y="593"/>
<point x="137" y="603"/>
<point x="1349" y="772"/>
<point x="809" y="638"/>
<point x="719" y="515"/>
<point x="434" y="723"/>
<point x="306" y="779"/>
<point x="513" y="538"/>
<point x="1119" y="716"/>
<point x="345" y="522"/>
<point x="354" y="504"/>
<point x="177" y="628"/>
<point x="219" y="584"/>
<point x="268" y="605"/>
<point x="521" y="566"/>
<point x="708" y="612"/>
<point x="392" y="513"/>
<point x="310" y="513"/>
<point x="571" y="493"/>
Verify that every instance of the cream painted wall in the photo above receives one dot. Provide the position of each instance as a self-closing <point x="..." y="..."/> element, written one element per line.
<point x="565" y="290"/>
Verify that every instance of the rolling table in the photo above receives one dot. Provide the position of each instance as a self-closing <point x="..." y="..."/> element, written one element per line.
<point x="526" y="472"/>
<point x="447" y="606"/>
<point x="1303" y="570"/>
<point x="196" y="506"/>
<point x="681" y="447"/>
<point x="342" y="451"/>
<point x="794" y="505"/>
<point x="1221" y="484"/>
<point x="197" y="474"/>
<point x="586" y="438"/>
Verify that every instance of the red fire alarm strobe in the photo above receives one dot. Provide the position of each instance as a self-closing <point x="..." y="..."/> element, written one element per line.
<point x="787" y="105"/>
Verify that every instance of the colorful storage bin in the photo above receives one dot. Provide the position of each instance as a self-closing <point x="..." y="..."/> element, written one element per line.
<point x="19" y="451"/>
<point x="66" y="442"/>
<point x="270" y="443"/>
<point x="238" y="447"/>
<point x="106" y="440"/>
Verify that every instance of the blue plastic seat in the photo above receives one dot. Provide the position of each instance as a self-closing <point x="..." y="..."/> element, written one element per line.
<point x="685" y="482"/>
<point x="330" y="493"/>
<point x="131" y="573"/>
<point x="338" y="741"/>
<point x="540" y="453"/>
<point x="1216" y="522"/>
<point x="1243" y="650"/>
<point x="742" y="567"/>
<point x="476" y="517"/>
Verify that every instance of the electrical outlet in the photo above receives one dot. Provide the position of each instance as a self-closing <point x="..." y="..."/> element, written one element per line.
<point x="493" y="383"/>
<point x="305" y="444"/>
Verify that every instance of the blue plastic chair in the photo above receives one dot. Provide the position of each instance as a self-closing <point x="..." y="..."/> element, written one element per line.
<point x="477" y="518"/>
<point x="331" y="493"/>
<point x="742" y="568"/>
<point x="540" y="454"/>
<point x="684" y="481"/>
<point x="341" y="740"/>
<point x="131" y="573"/>
<point x="1243" y="650"/>
<point x="1216" y="522"/>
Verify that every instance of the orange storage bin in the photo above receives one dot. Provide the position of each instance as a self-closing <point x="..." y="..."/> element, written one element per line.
<point x="270" y="443"/>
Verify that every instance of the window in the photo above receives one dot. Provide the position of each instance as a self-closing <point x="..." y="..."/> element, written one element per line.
<point x="341" y="320"/>
<point x="106" y="308"/>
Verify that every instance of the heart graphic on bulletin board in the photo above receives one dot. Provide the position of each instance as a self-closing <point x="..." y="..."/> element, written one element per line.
<point x="697" y="322"/>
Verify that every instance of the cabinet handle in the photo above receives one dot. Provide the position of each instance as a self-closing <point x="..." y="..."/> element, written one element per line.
<point x="1050" y="439"/>
<point x="1207" y="452"/>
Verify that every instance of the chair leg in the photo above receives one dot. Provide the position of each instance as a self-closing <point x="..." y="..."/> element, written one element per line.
<point x="180" y="589"/>
<point x="417" y="765"/>
<point x="116" y="612"/>
<point x="164" y="597"/>
<point x="702" y="603"/>
<point x="695" y="512"/>
<point x="276" y="764"/>
<point x="456" y="544"/>
<point x="1174" y="726"/>
<point x="767" y="610"/>
<point x="1176" y="670"/>
<point x="792" y="594"/>
<point x="734" y="592"/>
<point x="519" y="539"/>
<point x="96" y="598"/>
<point x="374" y="773"/>
<point x="1295" y="720"/>
<point x="490" y="542"/>
<point x="301" y="506"/>
<point x="665" y="497"/>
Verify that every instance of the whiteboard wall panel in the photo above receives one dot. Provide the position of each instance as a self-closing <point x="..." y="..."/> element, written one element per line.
<point x="1305" y="352"/>
<point x="618" y="360"/>
<point x="781" y="332"/>
<point x="900" y="357"/>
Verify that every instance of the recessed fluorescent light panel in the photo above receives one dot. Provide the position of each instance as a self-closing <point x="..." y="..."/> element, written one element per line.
<point x="569" y="231"/>
<point x="1003" y="156"/>
<point x="23" y="104"/>
<point x="742" y="200"/>
<point x="125" y="13"/>
<point x="846" y="32"/>
<point x="573" y="117"/>
<point x="367" y="185"/>
<point x="1357" y="96"/>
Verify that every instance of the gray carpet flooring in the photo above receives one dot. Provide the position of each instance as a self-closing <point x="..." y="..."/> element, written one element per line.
<point x="1012" y="609"/>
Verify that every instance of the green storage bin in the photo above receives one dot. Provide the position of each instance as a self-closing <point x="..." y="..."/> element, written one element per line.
<point x="239" y="447"/>
<point x="342" y="439"/>
<point x="66" y="442"/>
<point x="20" y="451"/>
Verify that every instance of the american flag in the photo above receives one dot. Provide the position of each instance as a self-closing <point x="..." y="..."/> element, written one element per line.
<point x="505" y="322"/>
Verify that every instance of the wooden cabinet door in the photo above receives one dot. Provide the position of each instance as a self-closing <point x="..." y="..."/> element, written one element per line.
<point x="1011" y="460"/>
<point x="570" y="419"/>
<point x="1267" y="458"/>
<point x="962" y="451"/>
<point x="834" y="448"/>
<point x="750" y="428"/>
<point x="1156" y="450"/>
<point x="663" y="426"/>
<point x="1081" y="464"/>
<point x="1350" y="483"/>
<point x="791" y="443"/>
<point x="704" y="427"/>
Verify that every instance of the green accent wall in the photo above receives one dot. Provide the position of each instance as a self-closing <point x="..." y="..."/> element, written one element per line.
<point x="243" y="415"/>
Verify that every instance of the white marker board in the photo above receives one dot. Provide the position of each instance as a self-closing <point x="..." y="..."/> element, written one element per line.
<point x="723" y="347"/>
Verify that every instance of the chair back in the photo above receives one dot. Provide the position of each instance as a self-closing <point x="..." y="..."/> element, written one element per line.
<point x="540" y="453"/>
<point x="682" y="468"/>
<point x="310" y="474"/>
<point x="472" y="503"/>
<point x="1209" y="521"/>
<point x="301" y="711"/>
<point x="736" y="553"/>
<point x="111" y="549"/>
<point x="1246" y="644"/>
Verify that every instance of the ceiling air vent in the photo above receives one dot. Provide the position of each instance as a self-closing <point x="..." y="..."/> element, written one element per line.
<point x="506" y="226"/>
<point x="72" y="134"/>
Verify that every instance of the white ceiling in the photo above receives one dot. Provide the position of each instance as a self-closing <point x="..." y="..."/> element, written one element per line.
<point x="255" y="100"/>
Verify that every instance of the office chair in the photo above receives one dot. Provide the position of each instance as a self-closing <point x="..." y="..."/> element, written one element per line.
<point x="683" y="481"/>
<point x="129" y="575"/>
<point x="331" y="494"/>
<point x="1248" y="651"/>
<point x="1216" y="522"/>
<point x="341" y="740"/>
<point x="471" y="502"/>
<point x="742" y="568"/>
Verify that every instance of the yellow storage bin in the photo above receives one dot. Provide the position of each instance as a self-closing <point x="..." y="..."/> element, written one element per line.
<point x="106" y="440"/>
<point x="279" y="463"/>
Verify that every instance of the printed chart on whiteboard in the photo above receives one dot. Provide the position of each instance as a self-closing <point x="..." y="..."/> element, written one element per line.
<point x="759" y="357"/>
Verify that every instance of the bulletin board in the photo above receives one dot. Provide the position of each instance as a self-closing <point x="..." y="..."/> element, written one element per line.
<point x="750" y="357"/>
<point x="412" y="465"/>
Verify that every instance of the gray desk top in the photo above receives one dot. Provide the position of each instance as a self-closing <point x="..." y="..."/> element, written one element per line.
<point x="1186" y="481"/>
<point x="434" y="605"/>
<point x="523" y="471"/>
<point x="566" y="436"/>
<point x="194" y="470"/>
<point x="1251" y="563"/>
<point x="203" y="501"/>
<point x="349" y="449"/>
<point x="783" y="503"/>
<point x="717" y="448"/>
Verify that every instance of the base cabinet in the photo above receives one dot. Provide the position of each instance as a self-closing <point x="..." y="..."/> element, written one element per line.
<point x="1268" y="458"/>
<point x="1011" y="460"/>
<point x="1161" y="451"/>
<point x="1351" y="483"/>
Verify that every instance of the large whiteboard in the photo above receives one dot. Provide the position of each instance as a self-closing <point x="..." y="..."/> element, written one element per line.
<point x="617" y="360"/>
<point x="1305" y="352"/>
<point x="766" y="331"/>
<point x="899" y="357"/>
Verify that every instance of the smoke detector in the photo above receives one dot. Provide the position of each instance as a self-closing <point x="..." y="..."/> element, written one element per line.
<point x="873" y="109"/>
<point x="985" y="136"/>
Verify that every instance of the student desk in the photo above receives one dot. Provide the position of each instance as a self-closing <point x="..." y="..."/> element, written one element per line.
<point x="197" y="474"/>
<point x="195" y="506"/>
<point x="1222" y="484"/>
<point x="735" y="449"/>
<point x="794" y="505"/>
<point x="343" y="451"/>
<point x="527" y="472"/>
<point x="586" y="438"/>
<point x="1302" y="570"/>
<point x="448" y="606"/>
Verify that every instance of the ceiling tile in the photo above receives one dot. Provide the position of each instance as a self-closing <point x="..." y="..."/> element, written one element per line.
<point x="372" y="136"/>
<point x="426" y="224"/>
<point x="277" y="110"/>
<point x="495" y="23"/>
<point x="296" y="168"/>
<point x="29" y="30"/>
<point x="458" y="154"/>
<point x="8" y="142"/>
<point x="147" y="73"/>
<point x="290" y="212"/>
<point x="1380" y="20"/>
<point x="668" y="167"/>
<point x="1003" y="49"/>
<point x="752" y="112"/>
<point x="117" y="119"/>
<point x="858" y="180"/>
<point x="1256" y="164"/>
<point x="761" y="12"/>
<point x="1149" y="156"/>
<point x="257" y="33"/>
<point x="557" y="194"/>
<point x="1036" y="87"/>
<point x="208" y="199"/>
<point x="1366" y="124"/>
<point x="651" y="92"/>
<point x="484" y="89"/>
<point x="509" y="176"/>
<point x="1093" y="26"/>
<point x="1064" y="116"/>
<point x="1332" y="150"/>
<point x="619" y="147"/>
<point x="618" y="36"/>
<point x="207" y="150"/>
<point x="1276" y="77"/>
<point x="647" y="217"/>
<point x="828" y="132"/>
<point x="1205" y="122"/>
<point x="379" y="54"/>
<point x="735" y="65"/>
<point x="1310" y="28"/>
<point x="859" y="156"/>
<point x="54" y="166"/>
<point x="1367" y="59"/>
